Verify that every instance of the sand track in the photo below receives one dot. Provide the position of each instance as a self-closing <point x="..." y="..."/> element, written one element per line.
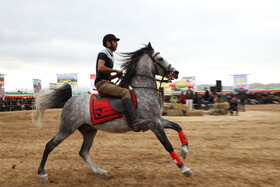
<point x="239" y="150"/>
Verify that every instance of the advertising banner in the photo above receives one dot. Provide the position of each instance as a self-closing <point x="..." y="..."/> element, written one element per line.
<point x="2" y="84"/>
<point x="37" y="86"/>
<point x="71" y="78"/>
<point x="53" y="86"/>
<point x="240" y="81"/>
<point x="192" y="81"/>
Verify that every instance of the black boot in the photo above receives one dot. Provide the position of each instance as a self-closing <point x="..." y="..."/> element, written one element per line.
<point x="136" y="123"/>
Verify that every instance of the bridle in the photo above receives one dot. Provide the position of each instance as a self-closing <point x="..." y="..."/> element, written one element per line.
<point x="167" y="70"/>
<point x="156" y="64"/>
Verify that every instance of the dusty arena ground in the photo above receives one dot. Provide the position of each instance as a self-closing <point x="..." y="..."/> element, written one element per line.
<point x="226" y="151"/>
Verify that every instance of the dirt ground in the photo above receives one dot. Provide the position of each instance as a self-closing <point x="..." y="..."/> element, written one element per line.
<point x="227" y="150"/>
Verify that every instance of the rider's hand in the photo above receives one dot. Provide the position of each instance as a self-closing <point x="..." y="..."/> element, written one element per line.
<point x="119" y="73"/>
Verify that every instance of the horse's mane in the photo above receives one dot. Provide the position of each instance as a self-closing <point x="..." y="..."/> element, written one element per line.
<point x="130" y="61"/>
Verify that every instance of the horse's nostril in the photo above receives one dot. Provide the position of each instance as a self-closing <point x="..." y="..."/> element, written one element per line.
<point x="176" y="72"/>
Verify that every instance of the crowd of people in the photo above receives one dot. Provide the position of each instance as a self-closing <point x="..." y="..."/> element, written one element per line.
<point x="189" y="97"/>
<point x="16" y="103"/>
<point x="207" y="99"/>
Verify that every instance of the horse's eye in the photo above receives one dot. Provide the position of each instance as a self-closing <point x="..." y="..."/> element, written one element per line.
<point x="160" y="59"/>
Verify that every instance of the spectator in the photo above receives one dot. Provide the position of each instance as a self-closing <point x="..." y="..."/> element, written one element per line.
<point x="197" y="101"/>
<point x="189" y="98"/>
<point x="242" y="97"/>
<point x="206" y="94"/>
<point x="233" y="106"/>
<point x="182" y="98"/>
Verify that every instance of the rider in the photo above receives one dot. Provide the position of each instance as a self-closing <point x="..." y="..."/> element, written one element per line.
<point x="103" y="84"/>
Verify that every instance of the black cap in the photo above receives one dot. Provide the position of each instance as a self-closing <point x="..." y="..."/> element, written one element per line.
<point x="109" y="37"/>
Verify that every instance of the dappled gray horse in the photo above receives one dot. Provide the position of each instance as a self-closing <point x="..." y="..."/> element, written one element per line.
<point x="140" y="68"/>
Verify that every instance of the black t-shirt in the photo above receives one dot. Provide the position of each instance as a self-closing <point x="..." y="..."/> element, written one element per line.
<point x="189" y="94"/>
<point x="108" y="58"/>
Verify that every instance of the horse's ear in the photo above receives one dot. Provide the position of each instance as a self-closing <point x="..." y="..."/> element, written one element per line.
<point x="150" y="46"/>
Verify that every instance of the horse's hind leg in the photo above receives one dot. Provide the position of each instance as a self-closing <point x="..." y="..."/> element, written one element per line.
<point x="89" y="133"/>
<point x="55" y="141"/>
<point x="183" y="138"/>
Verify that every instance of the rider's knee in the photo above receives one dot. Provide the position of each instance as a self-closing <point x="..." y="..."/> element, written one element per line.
<point x="125" y="93"/>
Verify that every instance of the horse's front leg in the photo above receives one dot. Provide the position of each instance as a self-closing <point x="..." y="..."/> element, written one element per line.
<point x="158" y="130"/>
<point x="183" y="138"/>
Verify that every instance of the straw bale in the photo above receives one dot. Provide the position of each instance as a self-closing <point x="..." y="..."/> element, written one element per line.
<point x="223" y="106"/>
<point x="176" y="105"/>
<point x="167" y="107"/>
<point x="175" y="112"/>
<point x="180" y="106"/>
<point x="216" y="112"/>
<point x="195" y="113"/>
<point x="185" y="108"/>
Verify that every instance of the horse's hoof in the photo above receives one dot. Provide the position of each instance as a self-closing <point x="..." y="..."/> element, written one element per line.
<point x="184" y="152"/>
<point x="44" y="178"/>
<point x="104" y="175"/>
<point x="187" y="172"/>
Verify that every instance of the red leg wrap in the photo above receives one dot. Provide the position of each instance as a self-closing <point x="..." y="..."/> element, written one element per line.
<point x="176" y="159"/>
<point x="183" y="137"/>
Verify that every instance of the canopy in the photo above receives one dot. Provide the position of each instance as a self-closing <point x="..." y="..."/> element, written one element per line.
<point x="181" y="84"/>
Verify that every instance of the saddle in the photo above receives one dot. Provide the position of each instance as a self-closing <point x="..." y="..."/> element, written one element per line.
<point x="105" y="108"/>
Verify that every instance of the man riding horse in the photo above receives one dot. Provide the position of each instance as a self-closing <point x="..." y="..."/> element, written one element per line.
<point x="103" y="84"/>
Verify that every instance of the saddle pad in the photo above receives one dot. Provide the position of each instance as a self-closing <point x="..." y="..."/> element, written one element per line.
<point x="102" y="111"/>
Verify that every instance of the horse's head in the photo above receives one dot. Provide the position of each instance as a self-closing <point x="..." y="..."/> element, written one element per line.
<point x="161" y="66"/>
<point x="143" y="61"/>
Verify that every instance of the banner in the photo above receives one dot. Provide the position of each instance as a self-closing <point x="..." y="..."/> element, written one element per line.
<point x="71" y="78"/>
<point x="2" y="84"/>
<point x="37" y="86"/>
<point x="92" y="86"/>
<point x="240" y="81"/>
<point x="192" y="80"/>
<point x="53" y="86"/>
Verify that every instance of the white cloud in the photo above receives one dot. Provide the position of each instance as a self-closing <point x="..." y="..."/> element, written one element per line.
<point x="208" y="39"/>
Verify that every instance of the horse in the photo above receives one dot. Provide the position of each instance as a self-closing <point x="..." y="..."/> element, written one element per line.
<point x="141" y="68"/>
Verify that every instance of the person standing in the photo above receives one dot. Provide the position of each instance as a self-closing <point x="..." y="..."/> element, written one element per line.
<point x="206" y="94"/>
<point x="233" y="106"/>
<point x="242" y="97"/>
<point x="182" y="98"/>
<point x="189" y="98"/>
<point x="103" y="84"/>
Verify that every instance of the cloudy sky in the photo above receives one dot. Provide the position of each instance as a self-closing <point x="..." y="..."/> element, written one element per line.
<point x="209" y="39"/>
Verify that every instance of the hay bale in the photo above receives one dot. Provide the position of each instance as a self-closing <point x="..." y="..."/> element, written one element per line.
<point x="175" y="112"/>
<point x="168" y="105"/>
<point x="216" y="112"/>
<point x="176" y="105"/>
<point x="219" y="109"/>
<point x="165" y="108"/>
<point x="185" y="108"/>
<point x="223" y="106"/>
<point x="195" y="113"/>
<point x="180" y="106"/>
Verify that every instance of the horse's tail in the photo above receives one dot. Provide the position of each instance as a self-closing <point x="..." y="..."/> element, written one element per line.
<point x="57" y="97"/>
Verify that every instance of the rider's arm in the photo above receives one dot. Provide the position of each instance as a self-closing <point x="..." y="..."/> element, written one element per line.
<point x="104" y="69"/>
